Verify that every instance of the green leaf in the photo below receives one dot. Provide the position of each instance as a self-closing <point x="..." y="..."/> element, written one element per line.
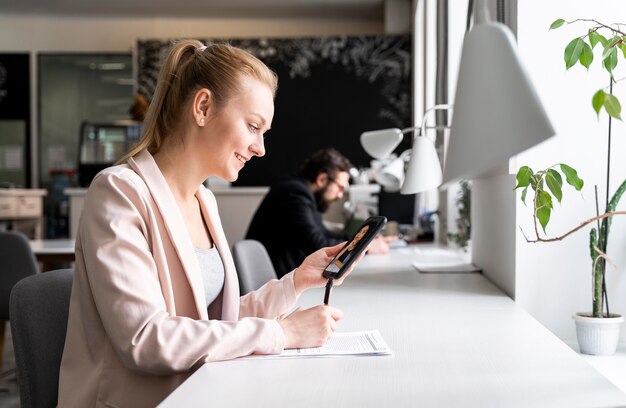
<point x="544" y="208"/>
<point x="598" y="101"/>
<point x="524" y="191"/>
<point x="609" y="57"/>
<point x="556" y="24"/>
<point x="557" y="176"/>
<point x="544" y="199"/>
<point x="573" y="51"/>
<point x="595" y="38"/>
<point x="612" y="106"/>
<point x="543" y="215"/>
<point x="623" y="47"/>
<point x="524" y="175"/>
<point x="586" y="57"/>
<point x="554" y="184"/>
<point x="609" y="46"/>
<point x="571" y="176"/>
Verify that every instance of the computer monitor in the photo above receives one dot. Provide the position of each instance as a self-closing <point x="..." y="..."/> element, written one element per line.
<point x="396" y="206"/>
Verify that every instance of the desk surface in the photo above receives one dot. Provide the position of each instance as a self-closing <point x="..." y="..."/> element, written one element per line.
<point x="52" y="246"/>
<point x="457" y="341"/>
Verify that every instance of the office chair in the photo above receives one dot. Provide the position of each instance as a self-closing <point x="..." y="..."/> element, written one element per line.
<point x="39" y="312"/>
<point x="17" y="261"/>
<point x="253" y="263"/>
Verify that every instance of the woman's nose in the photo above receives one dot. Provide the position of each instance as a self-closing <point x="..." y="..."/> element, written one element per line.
<point x="258" y="147"/>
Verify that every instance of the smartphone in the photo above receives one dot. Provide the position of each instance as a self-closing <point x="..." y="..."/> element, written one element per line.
<point x="353" y="248"/>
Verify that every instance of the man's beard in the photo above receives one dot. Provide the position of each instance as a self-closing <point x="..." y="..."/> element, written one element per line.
<point x="322" y="205"/>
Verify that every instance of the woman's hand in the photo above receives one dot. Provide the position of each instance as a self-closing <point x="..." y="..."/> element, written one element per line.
<point x="309" y="273"/>
<point x="310" y="327"/>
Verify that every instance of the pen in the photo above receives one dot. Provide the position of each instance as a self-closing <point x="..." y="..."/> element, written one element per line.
<point x="329" y="287"/>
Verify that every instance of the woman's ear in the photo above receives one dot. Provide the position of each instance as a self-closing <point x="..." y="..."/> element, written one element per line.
<point x="201" y="105"/>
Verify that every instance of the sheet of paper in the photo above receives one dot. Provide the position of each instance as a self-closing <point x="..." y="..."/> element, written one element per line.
<point x="340" y="344"/>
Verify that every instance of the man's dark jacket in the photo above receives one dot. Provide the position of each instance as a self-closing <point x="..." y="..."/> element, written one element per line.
<point x="289" y="225"/>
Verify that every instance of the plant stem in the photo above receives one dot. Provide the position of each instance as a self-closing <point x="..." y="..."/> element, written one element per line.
<point x="604" y="232"/>
<point x="597" y="293"/>
<point x="614" y="30"/>
<point x="589" y="221"/>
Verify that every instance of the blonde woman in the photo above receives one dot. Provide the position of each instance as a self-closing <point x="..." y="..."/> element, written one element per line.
<point x="155" y="292"/>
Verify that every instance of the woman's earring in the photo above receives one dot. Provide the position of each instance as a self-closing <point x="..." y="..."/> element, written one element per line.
<point x="201" y="121"/>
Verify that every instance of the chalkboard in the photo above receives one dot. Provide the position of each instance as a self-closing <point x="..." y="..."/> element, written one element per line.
<point x="330" y="90"/>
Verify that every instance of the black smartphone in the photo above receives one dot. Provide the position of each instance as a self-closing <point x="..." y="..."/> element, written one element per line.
<point x="353" y="248"/>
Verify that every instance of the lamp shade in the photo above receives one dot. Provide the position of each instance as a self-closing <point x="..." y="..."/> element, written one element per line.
<point x="497" y="113"/>
<point x="391" y="176"/>
<point x="381" y="143"/>
<point x="424" y="170"/>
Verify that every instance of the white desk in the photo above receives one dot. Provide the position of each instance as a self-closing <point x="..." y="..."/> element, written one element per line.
<point x="457" y="340"/>
<point x="48" y="251"/>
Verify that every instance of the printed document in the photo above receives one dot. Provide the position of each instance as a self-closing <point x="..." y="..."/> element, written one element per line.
<point x="340" y="344"/>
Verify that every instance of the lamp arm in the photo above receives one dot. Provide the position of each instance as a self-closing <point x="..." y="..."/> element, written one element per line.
<point x="422" y="128"/>
<point x="442" y="106"/>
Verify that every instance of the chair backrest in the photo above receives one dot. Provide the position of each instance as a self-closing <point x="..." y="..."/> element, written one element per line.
<point x="39" y="312"/>
<point x="253" y="263"/>
<point x="17" y="261"/>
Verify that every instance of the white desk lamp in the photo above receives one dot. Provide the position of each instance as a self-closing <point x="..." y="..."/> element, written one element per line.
<point x="391" y="175"/>
<point x="497" y="113"/>
<point x="424" y="169"/>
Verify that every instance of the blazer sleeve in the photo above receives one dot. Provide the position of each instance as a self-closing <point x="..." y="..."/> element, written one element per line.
<point x="271" y="300"/>
<point x="117" y="239"/>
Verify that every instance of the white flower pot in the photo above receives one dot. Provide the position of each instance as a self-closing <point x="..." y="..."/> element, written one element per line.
<point x="598" y="336"/>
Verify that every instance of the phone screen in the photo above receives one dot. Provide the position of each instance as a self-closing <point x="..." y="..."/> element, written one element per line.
<point x="351" y="251"/>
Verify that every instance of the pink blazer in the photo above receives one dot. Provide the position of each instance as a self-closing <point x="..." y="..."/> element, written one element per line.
<point x="138" y="320"/>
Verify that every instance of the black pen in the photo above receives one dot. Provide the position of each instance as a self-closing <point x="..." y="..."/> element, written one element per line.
<point x="329" y="288"/>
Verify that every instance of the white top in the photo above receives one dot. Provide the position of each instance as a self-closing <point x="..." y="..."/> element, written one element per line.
<point x="457" y="341"/>
<point x="212" y="270"/>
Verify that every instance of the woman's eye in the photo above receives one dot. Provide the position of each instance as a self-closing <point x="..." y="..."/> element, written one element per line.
<point x="254" y="128"/>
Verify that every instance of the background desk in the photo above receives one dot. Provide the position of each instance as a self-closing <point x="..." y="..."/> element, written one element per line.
<point x="457" y="340"/>
<point x="51" y="252"/>
<point x="23" y="209"/>
<point x="236" y="205"/>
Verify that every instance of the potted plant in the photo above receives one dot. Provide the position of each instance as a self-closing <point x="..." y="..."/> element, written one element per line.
<point x="597" y="331"/>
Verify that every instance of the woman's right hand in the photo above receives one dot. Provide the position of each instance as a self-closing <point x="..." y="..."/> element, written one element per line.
<point x="306" y="328"/>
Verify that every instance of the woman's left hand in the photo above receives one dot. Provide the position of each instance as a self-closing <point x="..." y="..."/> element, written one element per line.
<point x="309" y="273"/>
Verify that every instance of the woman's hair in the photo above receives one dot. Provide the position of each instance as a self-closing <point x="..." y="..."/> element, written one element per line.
<point x="327" y="160"/>
<point x="190" y="66"/>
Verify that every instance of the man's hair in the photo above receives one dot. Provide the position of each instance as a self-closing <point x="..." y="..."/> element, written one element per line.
<point x="327" y="160"/>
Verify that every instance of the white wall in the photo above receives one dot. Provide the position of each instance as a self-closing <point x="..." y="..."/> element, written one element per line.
<point x="553" y="280"/>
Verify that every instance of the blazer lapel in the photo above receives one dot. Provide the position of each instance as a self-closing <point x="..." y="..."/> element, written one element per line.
<point x="230" y="293"/>
<point x="144" y="164"/>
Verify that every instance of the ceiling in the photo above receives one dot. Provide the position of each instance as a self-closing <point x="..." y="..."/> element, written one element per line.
<point x="358" y="9"/>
